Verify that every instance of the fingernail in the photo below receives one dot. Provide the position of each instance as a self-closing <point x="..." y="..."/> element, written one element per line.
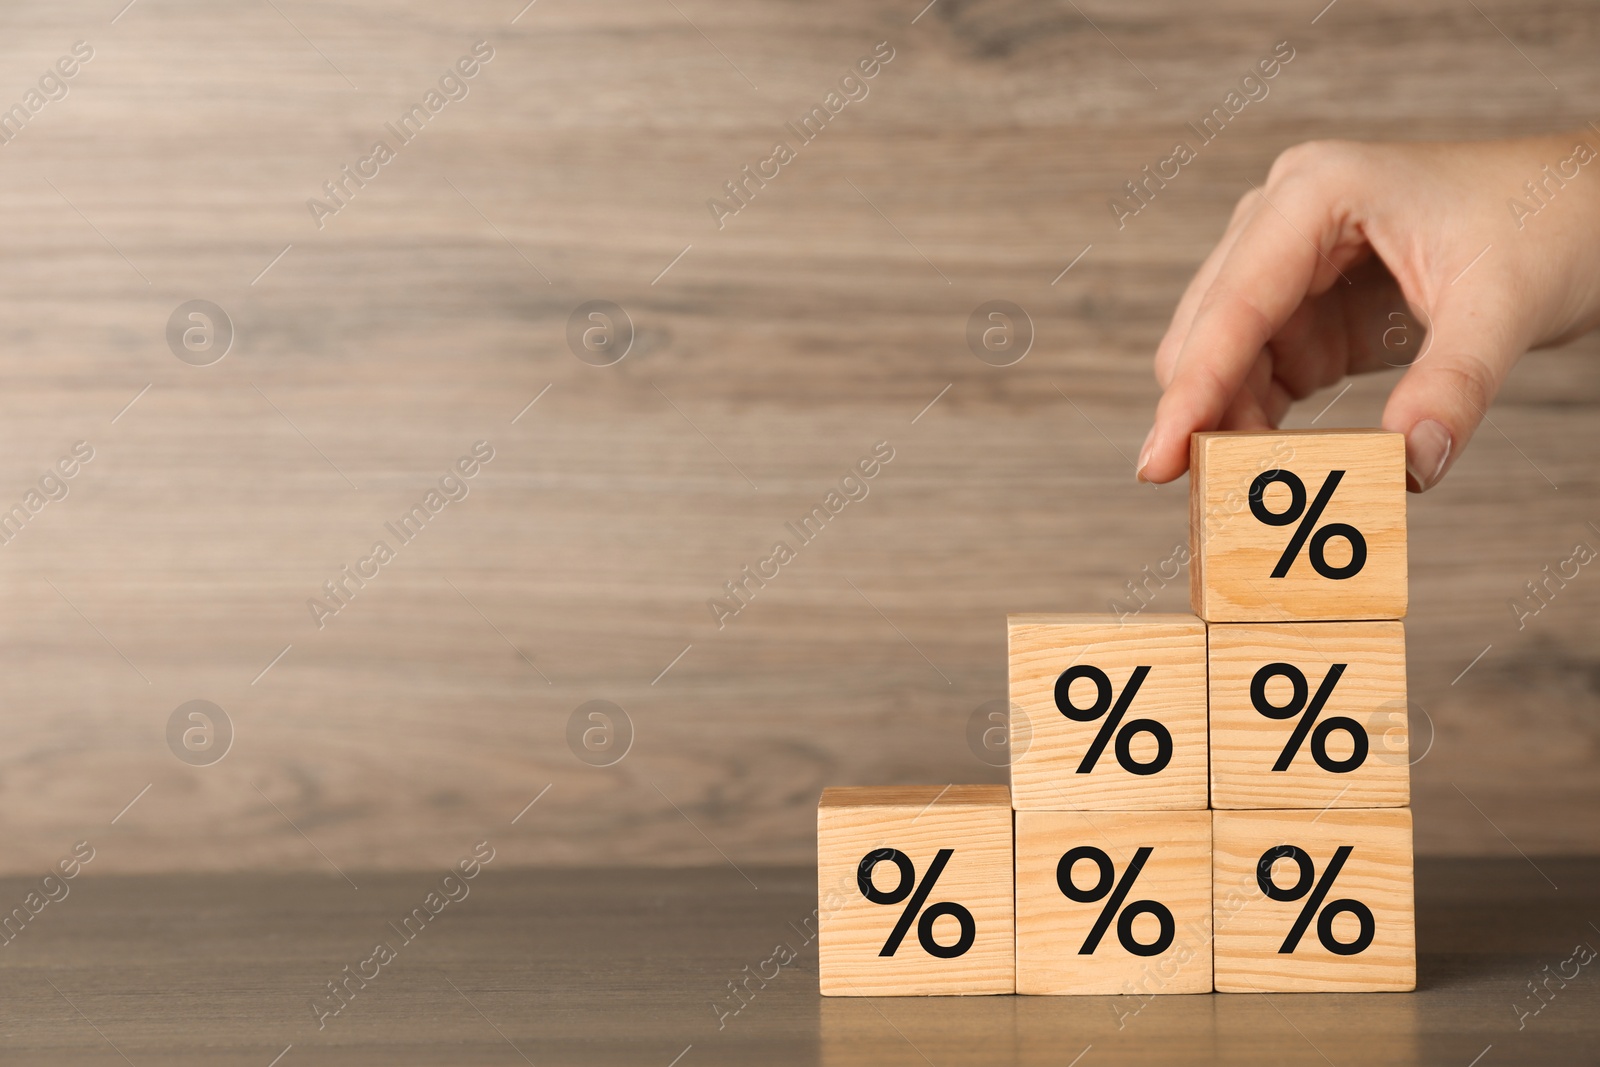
<point x="1427" y="451"/>
<point x="1144" y="453"/>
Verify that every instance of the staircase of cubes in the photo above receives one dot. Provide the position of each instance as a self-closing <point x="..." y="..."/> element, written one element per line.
<point x="1215" y="801"/>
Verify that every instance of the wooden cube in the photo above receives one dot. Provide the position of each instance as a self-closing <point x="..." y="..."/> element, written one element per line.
<point x="1115" y="712"/>
<point x="1297" y="525"/>
<point x="914" y="889"/>
<point x="1309" y="715"/>
<point x="1313" y="901"/>
<point x="1113" y="902"/>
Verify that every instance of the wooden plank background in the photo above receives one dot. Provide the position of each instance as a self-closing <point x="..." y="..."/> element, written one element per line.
<point x="772" y="354"/>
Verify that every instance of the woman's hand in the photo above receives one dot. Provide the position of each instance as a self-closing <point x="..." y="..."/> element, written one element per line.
<point x="1303" y="286"/>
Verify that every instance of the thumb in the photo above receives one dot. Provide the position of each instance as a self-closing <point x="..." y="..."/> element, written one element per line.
<point x="1439" y="402"/>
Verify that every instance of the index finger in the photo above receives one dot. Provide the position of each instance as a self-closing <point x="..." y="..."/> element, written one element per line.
<point x="1279" y="259"/>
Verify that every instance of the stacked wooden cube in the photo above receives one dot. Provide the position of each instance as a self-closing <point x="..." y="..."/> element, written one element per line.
<point x="1215" y="801"/>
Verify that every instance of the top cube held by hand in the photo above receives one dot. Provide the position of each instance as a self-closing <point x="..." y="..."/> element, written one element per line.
<point x="1297" y="525"/>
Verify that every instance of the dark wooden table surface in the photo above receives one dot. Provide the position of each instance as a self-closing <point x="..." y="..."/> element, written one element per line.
<point x="625" y="966"/>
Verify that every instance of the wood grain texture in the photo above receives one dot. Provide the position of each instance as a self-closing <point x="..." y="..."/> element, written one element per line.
<point x="1155" y="759"/>
<point x="1369" y="692"/>
<point x="794" y="338"/>
<point x="1053" y="930"/>
<point x="1242" y="569"/>
<point x="1253" y="928"/>
<point x="626" y="967"/>
<point x="970" y="827"/>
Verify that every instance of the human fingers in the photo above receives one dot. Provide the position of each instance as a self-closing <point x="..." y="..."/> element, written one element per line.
<point x="1438" y="403"/>
<point x="1199" y="285"/>
<point x="1282" y="255"/>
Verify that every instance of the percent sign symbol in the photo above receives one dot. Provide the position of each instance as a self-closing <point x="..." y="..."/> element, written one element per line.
<point x="1114" y="898"/>
<point x="1314" y="906"/>
<point x="1113" y="714"/>
<point x="1311" y="708"/>
<point x="918" y="892"/>
<point x="1320" y="536"/>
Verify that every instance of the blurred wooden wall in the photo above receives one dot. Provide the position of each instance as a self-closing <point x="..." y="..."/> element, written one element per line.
<point x="823" y="318"/>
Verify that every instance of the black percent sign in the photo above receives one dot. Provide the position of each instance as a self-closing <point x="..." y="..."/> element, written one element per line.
<point x="1319" y="535"/>
<point x="1114" y="898"/>
<point x="1308" y="724"/>
<point x="908" y="882"/>
<point x="1113" y="714"/>
<point x="1314" y="906"/>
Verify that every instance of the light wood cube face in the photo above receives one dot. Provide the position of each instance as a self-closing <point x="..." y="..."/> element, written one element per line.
<point x="1313" y="901"/>
<point x="915" y="891"/>
<point x="1309" y="715"/>
<point x="1115" y="712"/>
<point x="1113" y="902"/>
<point x="1298" y="526"/>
